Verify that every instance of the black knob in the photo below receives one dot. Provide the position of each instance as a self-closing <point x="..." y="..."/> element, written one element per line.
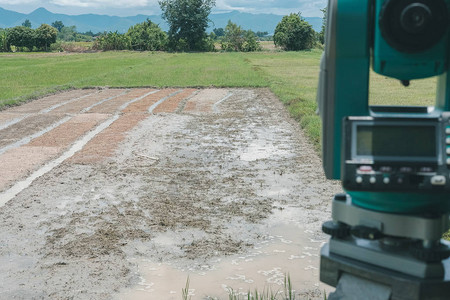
<point x="338" y="230"/>
<point x="434" y="254"/>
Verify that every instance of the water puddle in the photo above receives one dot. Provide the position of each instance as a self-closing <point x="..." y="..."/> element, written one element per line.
<point x="287" y="249"/>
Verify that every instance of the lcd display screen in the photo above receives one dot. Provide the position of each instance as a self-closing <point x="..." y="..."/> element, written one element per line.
<point x="396" y="141"/>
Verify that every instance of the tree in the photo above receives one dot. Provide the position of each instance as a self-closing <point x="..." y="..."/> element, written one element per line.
<point x="294" y="33"/>
<point x="147" y="36"/>
<point x="261" y="34"/>
<point x="58" y="25"/>
<point x="21" y="36"/>
<point x="4" y="46"/>
<point x="237" y="39"/>
<point x="68" y="34"/>
<point x="45" y="36"/>
<point x="324" y="26"/>
<point x="188" y="20"/>
<point x="219" y="32"/>
<point x="26" y="23"/>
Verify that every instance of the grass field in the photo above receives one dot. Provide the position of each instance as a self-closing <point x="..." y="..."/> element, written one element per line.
<point x="292" y="76"/>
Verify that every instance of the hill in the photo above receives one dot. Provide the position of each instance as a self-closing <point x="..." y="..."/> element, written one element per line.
<point x="100" y="23"/>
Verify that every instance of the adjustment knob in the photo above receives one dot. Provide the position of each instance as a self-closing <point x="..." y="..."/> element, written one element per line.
<point x="338" y="230"/>
<point x="367" y="233"/>
<point x="434" y="254"/>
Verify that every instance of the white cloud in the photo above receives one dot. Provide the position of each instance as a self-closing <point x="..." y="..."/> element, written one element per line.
<point x="103" y="3"/>
<point x="16" y="2"/>
<point x="308" y="8"/>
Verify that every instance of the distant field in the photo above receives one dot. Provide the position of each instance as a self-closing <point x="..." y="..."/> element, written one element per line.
<point x="292" y="76"/>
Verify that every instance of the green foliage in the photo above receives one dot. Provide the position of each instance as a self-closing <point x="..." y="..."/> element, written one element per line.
<point x="147" y="36"/>
<point x="261" y="34"/>
<point x="26" y="23"/>
<point x="293" y="33"/>
<point x="112" y="41"/>
<point x="58" y="25"/>
<point x="4" y="45"/>
<point x="185" y="291"/>
<point x="188" y="20"/>
<point x="324" y="25"/>
<point x="237" y="39"/>
<point x="45" y="35"/>
<point x="67" y="34"/>
<point x="219" y="32"/>
<point x="21" y="37"/>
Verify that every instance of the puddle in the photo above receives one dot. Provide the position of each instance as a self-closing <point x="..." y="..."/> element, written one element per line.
<point x="288" y="248"/>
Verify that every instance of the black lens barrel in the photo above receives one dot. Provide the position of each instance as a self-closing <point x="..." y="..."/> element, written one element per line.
<point x="413" y="26"/>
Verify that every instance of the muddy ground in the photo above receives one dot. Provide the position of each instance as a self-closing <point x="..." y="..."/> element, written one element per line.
<point x="91" y="180"/>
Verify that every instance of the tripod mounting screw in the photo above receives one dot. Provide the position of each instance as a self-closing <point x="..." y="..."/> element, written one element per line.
<point x="336" y="229"/>
<point x="367" y="233"/>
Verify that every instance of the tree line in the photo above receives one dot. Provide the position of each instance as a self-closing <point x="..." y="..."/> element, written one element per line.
<point x="188" y="21"/>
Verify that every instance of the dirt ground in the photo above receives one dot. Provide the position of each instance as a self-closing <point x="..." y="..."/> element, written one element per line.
<point x="91" y="180"/>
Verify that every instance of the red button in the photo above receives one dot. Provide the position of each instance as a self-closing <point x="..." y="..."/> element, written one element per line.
<point x="365" y="169"/>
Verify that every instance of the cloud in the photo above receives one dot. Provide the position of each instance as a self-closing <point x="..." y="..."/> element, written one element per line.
<point x="16" y="2"/>
<point x="308" y="8"/>
<point x="282" y="7"/>
<point x="103" y="3"/>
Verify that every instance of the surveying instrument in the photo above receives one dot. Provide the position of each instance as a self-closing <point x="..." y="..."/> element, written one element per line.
<point x="393" y="161"/>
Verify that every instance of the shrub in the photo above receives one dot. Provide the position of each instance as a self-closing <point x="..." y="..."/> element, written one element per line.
<point x="147" y="36"/>
<point x="112" y="41"/>
<point x="237" y="39"/>
<point x="294" y="33"/>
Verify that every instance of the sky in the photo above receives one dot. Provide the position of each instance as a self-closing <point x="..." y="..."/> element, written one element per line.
<point x="308" y="8"/>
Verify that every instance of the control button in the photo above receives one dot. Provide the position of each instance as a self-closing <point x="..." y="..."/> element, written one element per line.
<point x="447" y="140"/>
<point x="386" y="169"/>
<point x="359" y="179"/>
<point x="447" y="130"/>
<point x="448" y="161"/>
<point x="373" y="180"/>
<point x="407" y="169"/>
<point x="448" y="150"/>
<point x="426" y="170"/>
<point x="438" y="180"/>
<point x="386" y="180"/>
<point x="365" y="169"/>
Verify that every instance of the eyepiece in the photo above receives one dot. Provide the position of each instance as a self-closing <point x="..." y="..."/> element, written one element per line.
<point x="413" y="25"/>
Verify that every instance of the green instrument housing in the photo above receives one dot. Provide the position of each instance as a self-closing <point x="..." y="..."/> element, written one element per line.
<point x="355" y="40"/>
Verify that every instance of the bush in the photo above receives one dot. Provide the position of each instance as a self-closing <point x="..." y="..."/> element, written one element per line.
<point x="237" y="39"/>
<point x="112" y="41"/>
<point x="147" y="36"/>
<point x="293" y="33"/>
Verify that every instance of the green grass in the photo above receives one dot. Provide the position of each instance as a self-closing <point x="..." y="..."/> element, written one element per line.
<point x="292" y="76"/>
<point x="24" y="76"/>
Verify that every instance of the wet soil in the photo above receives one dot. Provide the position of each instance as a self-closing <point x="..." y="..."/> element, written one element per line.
<point x="135" y="181"/>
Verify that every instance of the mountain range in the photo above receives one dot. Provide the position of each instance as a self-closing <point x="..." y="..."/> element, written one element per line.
<point x="100" y="23"/>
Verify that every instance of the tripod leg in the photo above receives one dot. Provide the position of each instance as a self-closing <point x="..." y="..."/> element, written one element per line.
<point x="354" y="288"/>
